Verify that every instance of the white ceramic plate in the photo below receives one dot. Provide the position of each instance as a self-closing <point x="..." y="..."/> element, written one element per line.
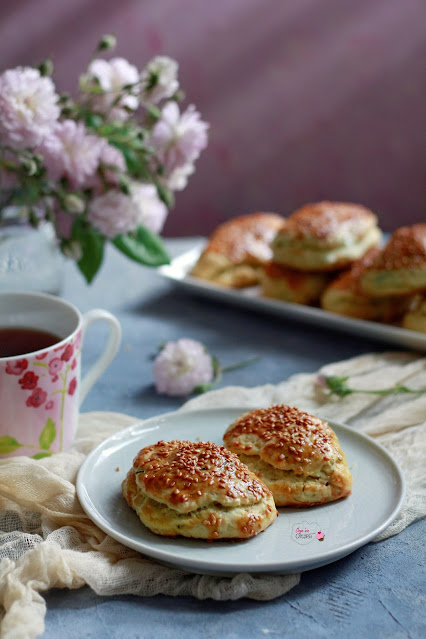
<point x="289" y="545"/>
<point x="250" y="298"/>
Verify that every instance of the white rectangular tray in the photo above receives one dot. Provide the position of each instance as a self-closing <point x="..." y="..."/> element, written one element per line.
<point x="250" y="298"/>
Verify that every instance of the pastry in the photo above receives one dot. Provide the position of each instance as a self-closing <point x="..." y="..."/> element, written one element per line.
<point x="197" y="490"/>
<point x="236" y="250"/>
<point x="415" y="317"/>
<point x="297" y="455"/>
<point x="345" y="297"/>
<point x="299" y="287"/>
<point x="400" y="269"/>
<point x="325" y="236"/>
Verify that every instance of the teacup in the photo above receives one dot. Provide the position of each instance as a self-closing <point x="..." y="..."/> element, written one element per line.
<point x="41" y="387"/>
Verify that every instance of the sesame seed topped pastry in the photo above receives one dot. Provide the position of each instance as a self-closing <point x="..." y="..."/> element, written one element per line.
<point x="197" y="490"/>
<point x="297" y="455"/>
<point x="400" y="269"/>
<point x="236" y="250"/>
<point x="325" y="236"/>
<point x="345" y="297"/>
<point x="288" y="285"/>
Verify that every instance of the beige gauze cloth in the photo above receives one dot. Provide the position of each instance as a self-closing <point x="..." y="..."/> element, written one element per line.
<point x="47" y="541"/>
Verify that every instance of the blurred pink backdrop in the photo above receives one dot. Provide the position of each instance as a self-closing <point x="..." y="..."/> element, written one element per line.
<point x="306" y="99"/>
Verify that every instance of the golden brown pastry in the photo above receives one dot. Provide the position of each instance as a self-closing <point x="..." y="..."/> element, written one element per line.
<point x="288" y="285"/>
<point x="197" y="490"/>
<point x="297" y="455"/>
<point x="345" y="297"/>
<point x="415" y="317"/>
<point x="400" y="269"/>
<point x="237" y="249"/>
<point x="325" y="236"/>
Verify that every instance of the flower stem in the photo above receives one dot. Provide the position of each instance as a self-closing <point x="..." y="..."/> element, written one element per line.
<point x="337" y="385"/>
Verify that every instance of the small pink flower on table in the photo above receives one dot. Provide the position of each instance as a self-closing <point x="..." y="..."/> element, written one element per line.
<point x="182" y="366"/>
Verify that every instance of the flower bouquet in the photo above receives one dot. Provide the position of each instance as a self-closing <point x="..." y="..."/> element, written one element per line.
<point x="102" y="166"/>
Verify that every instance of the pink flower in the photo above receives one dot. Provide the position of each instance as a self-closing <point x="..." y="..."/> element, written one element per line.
<point x="159" y="79"/>
<point x="73" y="364"/>
<point x="152" y="211"/>
<point x="68" y="353"/>
<point x="71" y="153"/>
<point x="182" y="366"/>
<point x="55" y="365"/>
<point x="112" y="75"/>
<point x="49" y="404"/>
<point x="28" y="107"/>
<point x="178" y="138"/>
<point x="113" y="213"/>
<point x="72" y="386"/>
<point x="29" y="381"/>
<point x="37" y="398"/>
<point x="42" y="356"/>
<point x="16" y="367"/>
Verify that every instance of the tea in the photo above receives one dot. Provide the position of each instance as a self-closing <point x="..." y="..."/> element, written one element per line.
<point x="19" y="341"/>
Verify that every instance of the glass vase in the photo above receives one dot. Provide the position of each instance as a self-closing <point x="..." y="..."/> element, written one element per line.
<point x="30" y="259"/>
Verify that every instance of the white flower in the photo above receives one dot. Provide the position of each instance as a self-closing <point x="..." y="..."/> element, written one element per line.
<point x="70" y="152"/>
<point x="152" y="211"/>
<point x="112" y="75"/>
<point x="178" y="138"/>
<point x="159" y="79"/>
<point x="182" y="366"/>
<point x="113" y="213"/>
<point x="28" y="107"/>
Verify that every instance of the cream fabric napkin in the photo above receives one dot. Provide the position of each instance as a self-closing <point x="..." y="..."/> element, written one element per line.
<point x="46" y="539"/>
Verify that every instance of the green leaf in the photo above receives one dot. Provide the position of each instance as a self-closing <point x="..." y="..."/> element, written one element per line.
<point x="143" y="246"/>
<point x="92" y="248"/>
<point x="41" y="455"/>
<point x="8" y="444"/>
<point x="165" y="195"/>
<point x="48" y="434"/>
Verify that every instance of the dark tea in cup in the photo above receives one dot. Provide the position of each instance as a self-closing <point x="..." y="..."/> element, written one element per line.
<point x="21" y="340"/>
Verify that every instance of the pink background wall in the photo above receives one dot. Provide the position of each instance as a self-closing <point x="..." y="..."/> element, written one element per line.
<point x="307" y="99"/>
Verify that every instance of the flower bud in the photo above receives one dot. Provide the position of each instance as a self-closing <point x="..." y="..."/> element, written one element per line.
<point x="46" y="68"/>
<point x="107" y="42"/>
<point x="74" y="204"/>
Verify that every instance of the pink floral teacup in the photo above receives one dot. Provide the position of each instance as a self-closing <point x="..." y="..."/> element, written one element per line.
<point x="41" y="388"/>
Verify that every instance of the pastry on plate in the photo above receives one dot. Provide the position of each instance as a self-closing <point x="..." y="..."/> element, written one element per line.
<point x="199" y="490"/>
<point x="297" y="455"/>
<point x="325" y="236"/>
<point x="400" y="269"/>
<point x="415" y="317"/>
<point x="344" y="295"/>
<point x="286" y="284"/>
<point x="236" y="250"/>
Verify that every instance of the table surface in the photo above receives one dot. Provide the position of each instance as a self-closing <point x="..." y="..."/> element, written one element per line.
<point x="375" y="591"/>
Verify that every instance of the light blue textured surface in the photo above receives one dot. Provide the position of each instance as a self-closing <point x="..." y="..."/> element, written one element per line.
<point x="378" y="591"/>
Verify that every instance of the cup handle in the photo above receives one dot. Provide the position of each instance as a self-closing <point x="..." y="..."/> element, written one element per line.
<point x="109" y="352"/>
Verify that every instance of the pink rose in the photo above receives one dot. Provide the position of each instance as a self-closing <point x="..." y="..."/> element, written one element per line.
<point x="68" y="352"/>
<point x="17" y="367"/>
<point x="55" y="365"/>
<point x="72" y="386"/>
<point x="29" y="381"/>
<point x="37" y="398"/>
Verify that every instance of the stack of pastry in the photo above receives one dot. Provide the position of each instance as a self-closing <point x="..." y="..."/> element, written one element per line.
<point x="388" y="284"/>
<point x="237" y="250"/>
<point x="312" y="244"/>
